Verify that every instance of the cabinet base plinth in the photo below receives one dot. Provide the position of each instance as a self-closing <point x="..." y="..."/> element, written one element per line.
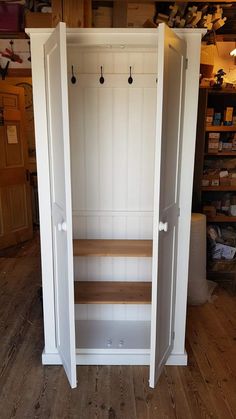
<point x="99" y="358"/>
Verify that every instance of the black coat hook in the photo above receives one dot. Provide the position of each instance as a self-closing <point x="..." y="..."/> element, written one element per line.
<point x="130" y="79"/>
<point x="101" y="78"/>
<point x="73" y="78"/>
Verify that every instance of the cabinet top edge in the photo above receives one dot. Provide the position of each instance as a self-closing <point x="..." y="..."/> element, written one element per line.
<point x="128" y="31"/>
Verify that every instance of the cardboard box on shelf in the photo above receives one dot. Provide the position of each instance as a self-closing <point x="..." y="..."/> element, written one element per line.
<point x="138" y="13"/>
<point x="210" y="112"/>
<point x="11" y="17"/>
<point x="103" y="17"/>
<point x="225" y="181"/>
<point x="209" y="120"/>
<point x="209" y="210"/>
<point x="38" y="20"/>
<point x="213" y="145"/>
<point x="205" y="181"/>
<point x="210" y="180"/>
<point x="217" y="119"/>
<point x="227" y="145"/>
<point x="228" y="115"/>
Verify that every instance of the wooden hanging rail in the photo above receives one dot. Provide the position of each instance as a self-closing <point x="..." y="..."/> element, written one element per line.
<point x="119" y="248"/>
<point x="106" y="292"/>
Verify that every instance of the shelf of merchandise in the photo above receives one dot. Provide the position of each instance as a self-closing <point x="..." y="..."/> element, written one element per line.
<point x="220" y="128"/>
<point x="225" y="188"/>
<point x="221" y="219"/>
<point x="222" y="154"/>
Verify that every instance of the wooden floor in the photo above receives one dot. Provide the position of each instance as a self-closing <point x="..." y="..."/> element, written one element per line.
<point x="204" y="389"/>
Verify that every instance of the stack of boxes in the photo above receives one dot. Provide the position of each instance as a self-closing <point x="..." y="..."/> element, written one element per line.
<point x="228" y="116"/>
<point x="223" y="141"/>
<point x="213" y="142"/>
<point x="219" y="177"/>
<point x="215" y="118"/>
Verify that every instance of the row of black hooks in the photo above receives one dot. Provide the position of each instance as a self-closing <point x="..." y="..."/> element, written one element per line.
<point x="101" y="79"/>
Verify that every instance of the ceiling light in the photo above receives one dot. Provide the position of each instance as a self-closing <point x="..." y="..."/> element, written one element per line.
<point x="233" y="52"/>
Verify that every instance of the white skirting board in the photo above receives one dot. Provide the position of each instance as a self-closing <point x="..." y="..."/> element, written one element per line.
<point x="98" y="358"/>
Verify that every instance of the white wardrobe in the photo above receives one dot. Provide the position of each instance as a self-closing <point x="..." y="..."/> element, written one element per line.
<point x="115" y="120"/>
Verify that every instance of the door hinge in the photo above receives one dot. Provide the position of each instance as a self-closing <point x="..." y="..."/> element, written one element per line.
<point x="156" y="80"/>
<point x="178" y="212"/>
<point x="173" y="335"/>
<point x="186" y="63"/>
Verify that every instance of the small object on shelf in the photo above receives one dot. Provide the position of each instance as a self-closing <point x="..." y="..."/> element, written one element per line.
<point x="233" y="180"/>
<point x="219" y="79"/>
<point x="215" y="182"/>
<point x="226" y="145"/>
<point x="221" y="242"/>
<point x="209" y="210"/>
<point x="233" y="210"/>
<point x="225" y="181"/>
<point x="223" y="251"/>
<point x="205" y="182"/>
<point x="217" y="118"/>
<point x="209" y="120"/>
<point x="213" y="142"/>
<point x="234" y="143"/>
<point x="228" y="115"/>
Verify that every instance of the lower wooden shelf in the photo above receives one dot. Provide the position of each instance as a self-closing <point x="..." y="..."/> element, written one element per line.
<point x="120" y="248"/>
<point x="107" y="292"/>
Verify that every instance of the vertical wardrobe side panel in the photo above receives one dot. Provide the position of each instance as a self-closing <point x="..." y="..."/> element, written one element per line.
<point x="40" y="118"/>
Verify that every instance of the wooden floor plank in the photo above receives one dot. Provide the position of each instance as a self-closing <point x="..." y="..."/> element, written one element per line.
<point x="106" y="292"/>
<point x="203" y="389"/>
<point x="113" y="248"/>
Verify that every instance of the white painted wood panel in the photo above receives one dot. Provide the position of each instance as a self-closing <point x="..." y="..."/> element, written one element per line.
<point x="110" y="167"/>
<point x="113" y="60"/>
<point x="135" y="312"/>
<point x="112" y="269"/>
<point x="107" y="335"/>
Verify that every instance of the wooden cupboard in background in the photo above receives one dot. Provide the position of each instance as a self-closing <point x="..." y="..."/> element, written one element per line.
<point x="209" y="191"/>
<point x="15" y="195"/>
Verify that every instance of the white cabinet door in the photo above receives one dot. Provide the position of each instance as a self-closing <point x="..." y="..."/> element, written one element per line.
<point x="170" y="95"/>
<point x="60" y="178"/>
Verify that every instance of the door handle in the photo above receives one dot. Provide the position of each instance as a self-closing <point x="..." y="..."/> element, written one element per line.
<point x="163" y="226"/>
<point x="62" y="226"/>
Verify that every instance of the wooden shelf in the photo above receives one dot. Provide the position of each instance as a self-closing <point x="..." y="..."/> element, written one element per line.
<point x="219" y="188"/>
<point x="120" y="248"/>
<point x="107" y="292"/>
<point x="13" y="35"/>
<point x="213" y="128"/>
<point x="222" y="219"/>
<point x="221" y="154"/>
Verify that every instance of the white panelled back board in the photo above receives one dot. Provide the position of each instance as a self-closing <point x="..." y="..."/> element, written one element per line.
<point x="113" y="146"/>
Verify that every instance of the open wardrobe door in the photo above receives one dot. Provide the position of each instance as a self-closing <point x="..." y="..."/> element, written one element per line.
<point x="59" y="156"/>
<point x="170" y="103"/>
